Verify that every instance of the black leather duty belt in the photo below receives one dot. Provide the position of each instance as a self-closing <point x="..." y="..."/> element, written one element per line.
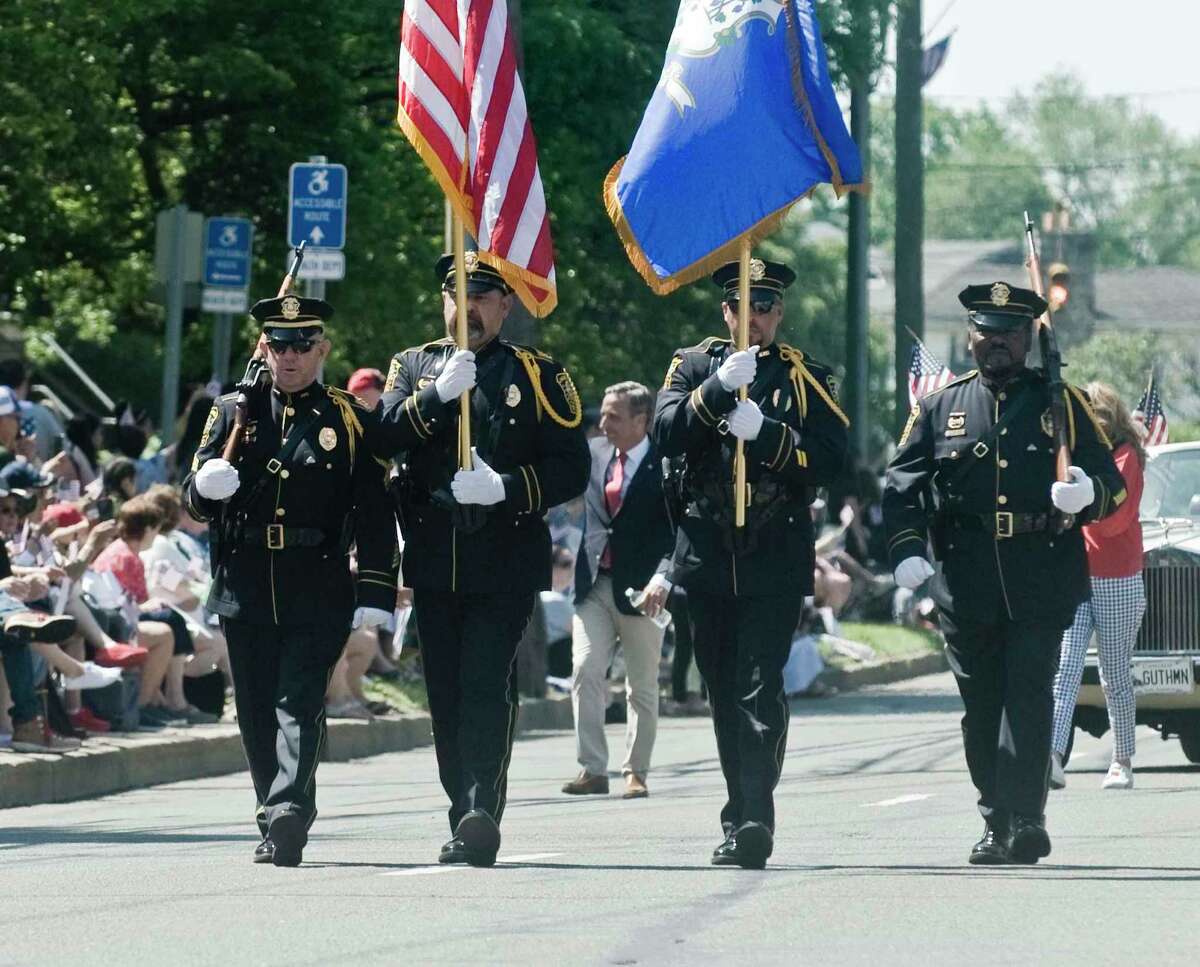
<point x="1001" y="524"/>
<point x="276" y="537"/>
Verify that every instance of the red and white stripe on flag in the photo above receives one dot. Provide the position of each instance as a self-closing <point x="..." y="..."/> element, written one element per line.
<point x="462" y="106"/>
<point x="925" y="373"/>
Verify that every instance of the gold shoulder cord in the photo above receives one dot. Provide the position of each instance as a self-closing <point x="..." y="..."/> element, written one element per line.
<point x="801" y="375"/>
<point x="354" y="428"/>
<point x="534" y="371"/>
<point x="1087" y="408"/>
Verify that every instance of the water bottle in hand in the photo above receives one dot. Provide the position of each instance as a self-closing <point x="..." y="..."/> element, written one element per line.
<point x="638" y="598"/>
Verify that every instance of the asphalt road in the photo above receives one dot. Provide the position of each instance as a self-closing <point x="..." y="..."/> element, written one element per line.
<point x="876" y="818"/>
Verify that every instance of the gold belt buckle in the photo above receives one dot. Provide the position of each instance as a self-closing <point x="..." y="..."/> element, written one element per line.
<point x="275" y="537"/>
<point x="1004" y="523"/>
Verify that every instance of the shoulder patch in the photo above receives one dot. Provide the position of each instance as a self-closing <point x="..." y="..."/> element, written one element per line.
<point x="393" y="371"/>
<point x="676" y="360"/>
<point x="213" y="413"/>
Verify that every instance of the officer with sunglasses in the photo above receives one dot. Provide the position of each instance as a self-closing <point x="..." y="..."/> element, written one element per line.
<point x="746" y="585"/>
<point x="972" y="506"/>
<point x="476" y="545"/>
<point x="302" y="489"/>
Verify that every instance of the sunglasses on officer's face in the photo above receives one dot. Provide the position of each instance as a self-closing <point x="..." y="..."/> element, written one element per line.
<point x="760" y="307"/>
<point x="300" y="346"/>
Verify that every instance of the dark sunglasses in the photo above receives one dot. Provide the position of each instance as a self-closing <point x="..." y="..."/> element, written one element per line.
<point x="760" y="307"/>
<point x="281" y="346"/>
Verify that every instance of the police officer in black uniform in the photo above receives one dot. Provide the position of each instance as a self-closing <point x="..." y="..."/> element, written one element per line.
<point x="746" y="586"/>
<point x="302" y="488"/>
<point x="476" y="545"/>
<point x="972" y="488"/>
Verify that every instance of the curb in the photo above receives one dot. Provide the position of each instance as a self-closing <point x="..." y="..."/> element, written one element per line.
<point x="886" y="671"/>
<point x="116" y="763"/>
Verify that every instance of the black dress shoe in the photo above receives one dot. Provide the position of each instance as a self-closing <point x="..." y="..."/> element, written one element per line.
<point x="453" y="852"/>
<point x="289" y="833"/>
<point x="748" y="847"/>
<point x="264" y="852"/>
<point x="1030" y="841"/>
<point x="991" y="850"/>
<point x="480" y="837"/>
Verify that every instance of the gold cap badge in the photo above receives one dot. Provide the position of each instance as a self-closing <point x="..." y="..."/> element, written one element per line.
<point x="1000" y="294"/>
<point x="290" y="307"/>
<point x="471" y="261"/>
<point x="758" y="268"/>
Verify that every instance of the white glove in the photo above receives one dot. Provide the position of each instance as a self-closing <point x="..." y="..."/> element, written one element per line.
<point x="746" y="420"/>
<point x="739" y="368"/>
<point x="457" y="376"/>
<point x="369" y="617"/>
<point x="912" y="572"/>
<point x="481" y="485"/>
<point x="217" y="479"/>
<point x="1074" y="496"/>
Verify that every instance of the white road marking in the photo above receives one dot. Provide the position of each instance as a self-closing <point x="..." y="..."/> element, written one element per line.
<point x="901" y="800"/>
<point x="508" y="860"/>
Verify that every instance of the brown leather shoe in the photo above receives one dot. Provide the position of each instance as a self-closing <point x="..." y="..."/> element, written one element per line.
<point x="635" y="787"/>
<point x="585" y="784"/>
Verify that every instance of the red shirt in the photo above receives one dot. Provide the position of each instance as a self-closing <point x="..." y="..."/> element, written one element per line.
<point x="127" y="566"/>
<point x="1114" y="545"/>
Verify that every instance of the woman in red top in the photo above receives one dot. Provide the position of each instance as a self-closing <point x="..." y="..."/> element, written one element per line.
<point x="1114" y="550"/>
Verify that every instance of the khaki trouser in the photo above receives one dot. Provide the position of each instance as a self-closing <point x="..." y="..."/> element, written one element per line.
<point x="595" y="631"/>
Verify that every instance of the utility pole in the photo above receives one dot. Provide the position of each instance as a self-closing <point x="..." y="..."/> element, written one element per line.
<point x="857" y="267"/>
<point x="910" y="197"/>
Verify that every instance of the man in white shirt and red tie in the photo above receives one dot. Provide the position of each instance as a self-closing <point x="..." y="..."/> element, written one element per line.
<point x="627" y="541"/>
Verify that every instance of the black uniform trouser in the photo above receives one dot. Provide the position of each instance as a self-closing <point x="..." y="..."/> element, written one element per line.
<point x="742" y="644"/>
<point x="681" y="659"/>
<point x="280" y="674"/>
<point x="1005" y="674"/>
<point x="469" y="652"/>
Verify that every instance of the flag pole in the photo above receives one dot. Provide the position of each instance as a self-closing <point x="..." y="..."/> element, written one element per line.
<point x="743" y="342"/>
<point x="460" y="338"/>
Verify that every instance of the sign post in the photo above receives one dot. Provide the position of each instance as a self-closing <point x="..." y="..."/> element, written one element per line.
<point x="228" y="246"/>
<point x="317" y="193"/>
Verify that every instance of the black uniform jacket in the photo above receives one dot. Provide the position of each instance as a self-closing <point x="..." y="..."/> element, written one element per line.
<point x="525" y="423"/>
<point x="959" y="518"/>
<point x="802" y="445"/>
<point x="331" y="493"/>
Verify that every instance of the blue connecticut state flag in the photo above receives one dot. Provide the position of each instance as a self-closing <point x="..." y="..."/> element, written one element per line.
<point x="743" y="123"/>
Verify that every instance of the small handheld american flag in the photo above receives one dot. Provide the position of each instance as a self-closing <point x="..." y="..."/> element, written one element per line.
<point x="1152" y="414"/>
<point x="925" y="373"/>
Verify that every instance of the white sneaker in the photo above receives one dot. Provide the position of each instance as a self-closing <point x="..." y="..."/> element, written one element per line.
<point x="1119" y="777"/>
<point x="93" y="677"/>
<point x="1058" y="777"/>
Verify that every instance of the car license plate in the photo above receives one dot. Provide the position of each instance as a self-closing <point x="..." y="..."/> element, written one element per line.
<point x="1163" y="676"/>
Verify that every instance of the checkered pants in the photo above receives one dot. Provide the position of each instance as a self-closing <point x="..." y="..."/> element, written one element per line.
<point x="1115" y="614"/>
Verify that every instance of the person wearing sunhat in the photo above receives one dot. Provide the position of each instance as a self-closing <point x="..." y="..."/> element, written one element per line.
<point x="301" y="489"/>
<point x="746" y="585"/>
<point x="477" y="549"/>
<point x="972" y="506"/>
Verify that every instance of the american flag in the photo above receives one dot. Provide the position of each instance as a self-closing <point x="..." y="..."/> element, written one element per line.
<point x="925" y="373"/>
<point x="1152" y="414"/>
<point x="463" y="108"/>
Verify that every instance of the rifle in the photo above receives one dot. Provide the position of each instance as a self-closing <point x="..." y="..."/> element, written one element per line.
<point x="1052" y="363"/>
<point x="256" y="369"/>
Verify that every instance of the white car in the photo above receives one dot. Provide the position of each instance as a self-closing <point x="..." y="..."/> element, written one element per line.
<point x="1166" y="657"/>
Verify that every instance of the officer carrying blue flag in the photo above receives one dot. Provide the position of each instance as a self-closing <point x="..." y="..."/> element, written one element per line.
<point x="743" y="124"/>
